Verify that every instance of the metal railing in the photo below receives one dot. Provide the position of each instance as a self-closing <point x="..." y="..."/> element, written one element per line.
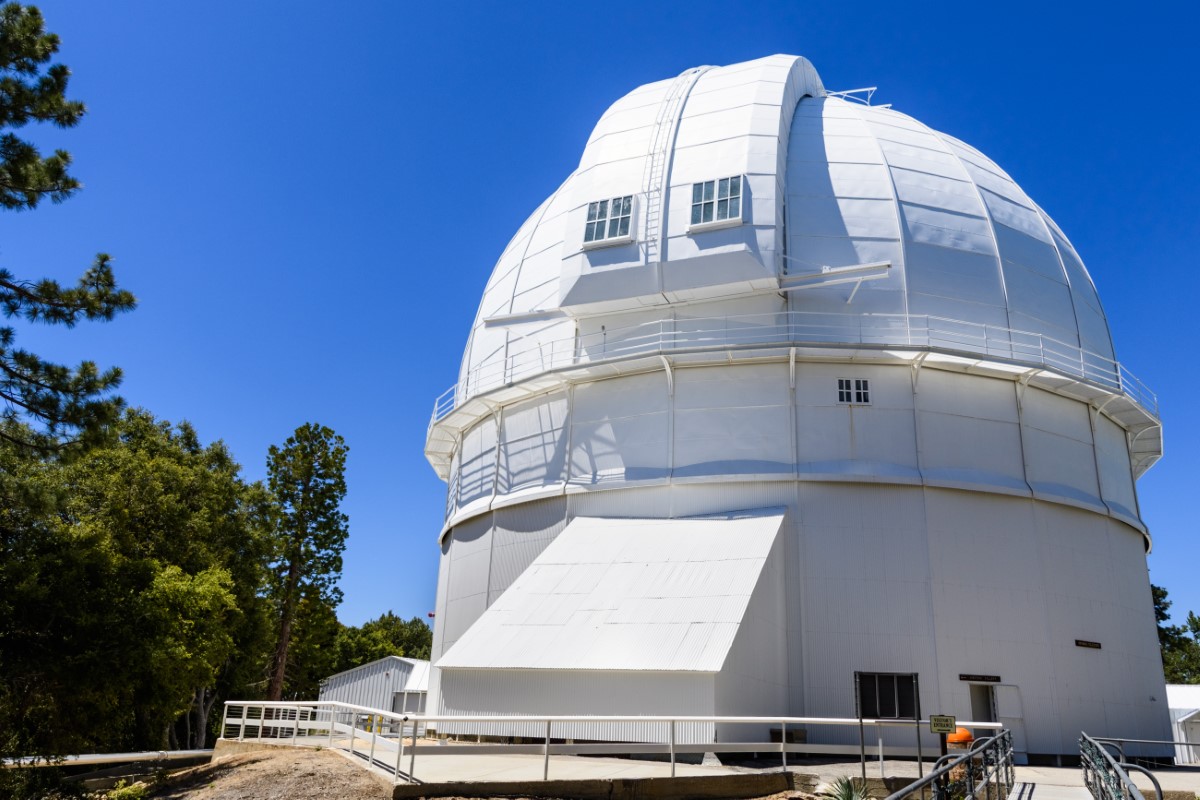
<point x="390" y="741"/>
<point x="1190" y="750"/>
<point x="94" y="759"/>
<point x="527" y="357"/>
<point x="1106" y="777"/>
<point x="984" y="771"/>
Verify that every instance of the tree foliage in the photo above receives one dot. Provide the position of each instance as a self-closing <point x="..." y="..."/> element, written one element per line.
<point x="306" y="477"/>
<point x="61" y="405"/>
<point x="1180" y="644"/>
<point x="389" y="635"/>
<point x="123" y="587"/>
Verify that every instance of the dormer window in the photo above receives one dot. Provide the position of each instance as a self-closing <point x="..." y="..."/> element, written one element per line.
<point x="608" y="221"/>
<point x="717" y="203"/>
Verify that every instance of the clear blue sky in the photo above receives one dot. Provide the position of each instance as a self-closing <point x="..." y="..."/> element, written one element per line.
<point x="307" y="199"/>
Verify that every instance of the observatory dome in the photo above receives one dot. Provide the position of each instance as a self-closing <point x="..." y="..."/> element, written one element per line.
<point x="847" y="184"/>
<point x="781" y="398"/>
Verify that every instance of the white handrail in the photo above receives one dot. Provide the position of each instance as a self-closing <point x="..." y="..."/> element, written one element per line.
<point x="527" y="357"/>
<point x="336" y="724"/>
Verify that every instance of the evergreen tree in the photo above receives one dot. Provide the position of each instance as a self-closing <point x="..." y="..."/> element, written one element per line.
<point x="1179" y="644"/>
<point x="389" y="635"/>
<point x="306" y="478"/>
<point x="129" y="585"/>
<point x="62" y="404"/>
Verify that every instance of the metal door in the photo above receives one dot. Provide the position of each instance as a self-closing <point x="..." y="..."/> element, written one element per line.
<point x="1010" y="715"/>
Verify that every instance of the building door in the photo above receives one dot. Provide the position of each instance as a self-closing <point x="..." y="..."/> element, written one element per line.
<point x="1010" y="715"/>
<point x="983" y="703"/>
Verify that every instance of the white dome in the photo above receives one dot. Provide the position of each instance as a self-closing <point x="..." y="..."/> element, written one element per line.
<point x="862" y="185"/>
<point x="857" y="225"/>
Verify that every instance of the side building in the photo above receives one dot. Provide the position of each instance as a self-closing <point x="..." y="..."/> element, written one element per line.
<point x="393" y="683"/>
<point x="783" y="403"/>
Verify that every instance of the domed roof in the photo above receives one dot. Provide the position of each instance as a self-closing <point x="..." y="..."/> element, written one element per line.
<point x="942" y="236"/>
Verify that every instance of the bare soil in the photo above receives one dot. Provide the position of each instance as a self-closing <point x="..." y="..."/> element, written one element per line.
<point x="276" y="774"/>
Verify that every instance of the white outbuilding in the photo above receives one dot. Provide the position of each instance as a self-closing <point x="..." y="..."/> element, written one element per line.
<point x="783" y="399"/>
<point x="1184" y="702"/>
<point x="390" y="684"/>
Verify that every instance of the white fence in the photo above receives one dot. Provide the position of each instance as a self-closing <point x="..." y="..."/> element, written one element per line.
<point x="392" y="741"/>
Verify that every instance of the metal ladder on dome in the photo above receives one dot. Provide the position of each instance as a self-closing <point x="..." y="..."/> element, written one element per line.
<point x="658" y="155"/>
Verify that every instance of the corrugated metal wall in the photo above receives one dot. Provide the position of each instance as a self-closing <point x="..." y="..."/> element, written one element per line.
<point x="569" y="693"/>
<point x="372" y="685"/>
<point x="1006" y="555"/>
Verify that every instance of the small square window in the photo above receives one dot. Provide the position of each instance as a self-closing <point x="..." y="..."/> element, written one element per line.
<point x="717" y="201"/>
<point x="856" y="391"/>
<point x="608" y="220"/>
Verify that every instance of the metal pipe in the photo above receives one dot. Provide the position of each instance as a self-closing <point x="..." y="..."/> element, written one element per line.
<point x="26" y="762"/>
<point x="862" y="749"/>
<point x="399" y="753"/>
<point x="412" y="754"/>
<point x="1148" y="774"/>
<point x="546" y="760"/>
<point x="672" y="748"/>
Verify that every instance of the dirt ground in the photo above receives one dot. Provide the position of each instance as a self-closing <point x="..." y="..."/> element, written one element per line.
<point x="289" y="774"/>
<point x="299" y="774"/>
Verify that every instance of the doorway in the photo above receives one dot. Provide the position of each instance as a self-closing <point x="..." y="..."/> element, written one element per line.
<point x="983" y="703"/>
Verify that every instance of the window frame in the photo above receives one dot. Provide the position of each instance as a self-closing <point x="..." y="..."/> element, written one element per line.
<point x="699" y="198"/>
<point x="854" y="391"/>
<point x="861" y="708"/>
<point x="591" y="218"/>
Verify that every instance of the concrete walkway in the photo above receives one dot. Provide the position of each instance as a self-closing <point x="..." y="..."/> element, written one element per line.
<point x="432" y="768"/>
<point x="1033" y="783"/>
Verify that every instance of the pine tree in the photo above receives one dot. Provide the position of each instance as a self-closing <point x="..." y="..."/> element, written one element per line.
<point x="61" y="405"/>
<point x="307" y="478"/>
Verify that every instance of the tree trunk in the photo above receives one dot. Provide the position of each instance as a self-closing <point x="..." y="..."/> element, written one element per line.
<point x="279" y="667"/>
<point x="205" y="698"/>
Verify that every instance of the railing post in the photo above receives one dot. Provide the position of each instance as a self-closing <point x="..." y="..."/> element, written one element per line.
<point x="399" y="751"/>
<point x="374" y="736"/>
<point x="332" y="723"/>
<point x="879" y="735"/>
<point x="862" y="748"/>
<point x="783" y="743"/>
<point x="672" y="748"/>
<point x="296" y="728"/>
<point x="412" y="754"/>
<point x="970" y="777"/>
<point x="242" y="726"/>
<point x="546" y="759"/>
<point x="999" y="765"/>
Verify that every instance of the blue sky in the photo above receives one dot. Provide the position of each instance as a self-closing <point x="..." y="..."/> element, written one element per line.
<point x="307" y="199"/>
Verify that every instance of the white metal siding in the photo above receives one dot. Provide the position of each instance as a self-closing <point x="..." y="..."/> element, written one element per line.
<point x="579" y="693"/>
<point x="373" y="685"/>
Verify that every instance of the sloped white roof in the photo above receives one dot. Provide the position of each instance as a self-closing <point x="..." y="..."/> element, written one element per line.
<point x="626" y="594"/>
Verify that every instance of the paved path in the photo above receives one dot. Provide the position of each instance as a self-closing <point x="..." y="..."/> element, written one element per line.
<point x="1038" y="783"/>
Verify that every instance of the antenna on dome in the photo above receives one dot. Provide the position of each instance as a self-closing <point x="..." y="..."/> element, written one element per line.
<point x="857" y="95"/>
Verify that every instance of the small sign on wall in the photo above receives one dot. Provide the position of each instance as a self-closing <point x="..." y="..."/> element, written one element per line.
<point x="1087" y="644"/>
<point x="980" y="678"/>
<point x="942" y="723"/>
